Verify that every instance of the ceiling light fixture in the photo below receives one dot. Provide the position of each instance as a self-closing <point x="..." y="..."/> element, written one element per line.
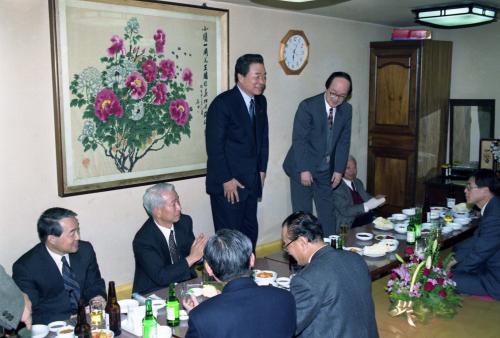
<point x="456" y="16"/>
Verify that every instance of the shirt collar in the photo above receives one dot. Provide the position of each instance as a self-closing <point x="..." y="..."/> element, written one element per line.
<point x="321" y="247"/>
<point x="57" y="258"/>
<point x="327" y="106"/>
<point x="484" y="207"/>
<point x="246" y="97"/>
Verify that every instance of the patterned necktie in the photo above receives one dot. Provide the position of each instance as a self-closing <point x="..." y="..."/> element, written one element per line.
<point x="353" y="187"/>
<point x="251" y="110"/>
<point x="70" y="284"/>
<point x="172" y="247"/>
<point x="330" y="118"/>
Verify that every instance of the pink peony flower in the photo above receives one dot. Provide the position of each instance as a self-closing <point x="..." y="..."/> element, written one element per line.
<point x="160" y="40"/>
<point x="393" y="275"/>
<point x="179" y="111"/>
<point x="440" y="280"/>
<point x="149" y="70"/>
<point x="167" y="69"/>
<point x="137" y="85"/>
<point x="409" y="250"/>
<point x="440" y="264"/>
<point x="442" y="293"/>
<point x="160" y="91"/>
<point x="426" y="272"/>
<point x="107" y="104"/>
<point x="187" y="76"/>
<point x="116" y="45"/>
<point x="428" y="286"/>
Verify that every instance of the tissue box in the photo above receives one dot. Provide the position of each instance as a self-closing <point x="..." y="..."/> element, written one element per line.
<point x="410" y="34"/>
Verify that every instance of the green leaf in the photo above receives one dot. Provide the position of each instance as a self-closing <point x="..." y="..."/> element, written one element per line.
<point x="73" y="103"/>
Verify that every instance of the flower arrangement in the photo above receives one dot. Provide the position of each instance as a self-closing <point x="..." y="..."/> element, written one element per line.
<point x="137" y="104"/>
<point x="423" y="286"/>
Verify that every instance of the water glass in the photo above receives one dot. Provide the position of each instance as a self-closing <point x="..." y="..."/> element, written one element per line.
<point x="97" y="314"/>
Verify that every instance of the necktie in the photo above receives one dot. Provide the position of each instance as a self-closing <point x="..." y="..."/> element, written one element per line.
<point x="172" y="247"/>
<point x="70" y="284"/>
<point x="353" y="187"/>
<point x="330" y="118"/>
<point x="251" y="110"/>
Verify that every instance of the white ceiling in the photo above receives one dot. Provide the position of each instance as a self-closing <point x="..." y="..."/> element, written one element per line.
<point x="394" y="13"/>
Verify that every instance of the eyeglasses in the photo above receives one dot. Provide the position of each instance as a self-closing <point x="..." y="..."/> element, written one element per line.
<point x="285" y="247"/>
<point x="339" y="96"/>
<point x="469" y="187"/>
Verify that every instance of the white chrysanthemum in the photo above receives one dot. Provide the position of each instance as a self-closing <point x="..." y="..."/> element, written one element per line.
<point x="132" y="26"/>
<point x="118" y="74"/>
<point x="88" y="130"/>
<point x="137" y="111"/>
<point x="89" y="82"/>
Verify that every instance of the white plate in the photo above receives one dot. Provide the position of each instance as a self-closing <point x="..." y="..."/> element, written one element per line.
<point x="399" y="217"/>
<point x="383" y="237"/>
<point x="455" y="226"/>
<point x="446" y="229"/>
<point x="391" y="244"/>
<point x="364" y="236"/>
<point x="354" y="249"/>
<point x="126" y="303"/>
<point x="374" y="255"/>
<point x="55" y="326"/>
<point x="401" y="228"/>
<point x="409" y="211"/>
<point x="388" y="226"/>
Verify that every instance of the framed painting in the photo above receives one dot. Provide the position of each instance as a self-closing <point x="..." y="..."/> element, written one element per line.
<point x="486" y="159"/>
<point x="132" y="84"/>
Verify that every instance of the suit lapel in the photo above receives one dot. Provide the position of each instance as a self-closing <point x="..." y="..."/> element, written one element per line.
<point x="242" y="112"/>
<point x="52" y="269"/>
<point x="160" y="239"/>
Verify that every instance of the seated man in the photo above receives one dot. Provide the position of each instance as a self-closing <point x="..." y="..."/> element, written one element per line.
<point x="352" y="204"/>
<point x="243" y="309"/>
<point x="165" y="249"/>
<point x="15" y="305"/>
<point x="477" y="268"/>
<point x="60" y="270"/>
<point x="333" y="291"/>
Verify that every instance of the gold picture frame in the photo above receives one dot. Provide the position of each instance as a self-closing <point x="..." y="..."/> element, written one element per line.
<point x="132" y="84"/>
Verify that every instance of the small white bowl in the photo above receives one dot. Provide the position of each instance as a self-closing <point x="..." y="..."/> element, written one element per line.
<point x="364" y="236"/>
<point x="401" y="228"/>
<point x="391" y="244"/>
<point x="284" y="282"/>
<point x="426" y="226"/>
<point x="109" y="333"/>
<point x="56" y="326"/>
<point x="265" y="277"/>
<point x="409" y="211"/>
<point x="463" y="221"/>
<point x="327" y="240"/>
<point x="66" y="332"/>
<point x="399" y="217"/>
<point x="455" y="226"/>
<point x="39" y="331"/>
<point x="446" y="229"/>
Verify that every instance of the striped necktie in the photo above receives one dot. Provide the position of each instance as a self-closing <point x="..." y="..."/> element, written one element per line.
<point x="71" y="285"/>
<point x="330" y="118"/>
<point x="172" y="247"/>
<point x="251" y="110"/>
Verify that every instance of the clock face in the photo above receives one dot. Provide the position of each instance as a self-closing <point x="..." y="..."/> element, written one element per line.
<point x="295" y="53"/>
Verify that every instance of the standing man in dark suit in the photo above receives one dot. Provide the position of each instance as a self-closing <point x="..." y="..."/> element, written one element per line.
<point x="333" y="291"/>
<point x="352" y="204"/>
<point x="15" y="306"/>
<point x="238" y="148"/>
<point x="60" y="270"/>
<point x="243" y="309"/>
<point x="477" y="268"/>
<point x="165" y="249"/>
<point x="321" y="139"/>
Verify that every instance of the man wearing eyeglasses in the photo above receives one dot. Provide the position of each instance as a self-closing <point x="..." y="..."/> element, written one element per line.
<point x="333" y="291"/>
<point x="321" y="140"/>
<point x="477" y="267"/>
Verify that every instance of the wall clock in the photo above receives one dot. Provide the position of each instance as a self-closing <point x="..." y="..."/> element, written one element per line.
<point x="294" y="52"/>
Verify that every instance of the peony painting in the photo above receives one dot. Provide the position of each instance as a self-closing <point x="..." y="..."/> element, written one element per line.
<point x="132" y="86"/>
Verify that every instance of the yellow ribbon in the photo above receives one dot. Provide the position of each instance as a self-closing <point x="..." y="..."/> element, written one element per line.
<point x="404" y="306"/>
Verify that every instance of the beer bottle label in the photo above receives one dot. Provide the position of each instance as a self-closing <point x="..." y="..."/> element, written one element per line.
<point x="410" y="236"/>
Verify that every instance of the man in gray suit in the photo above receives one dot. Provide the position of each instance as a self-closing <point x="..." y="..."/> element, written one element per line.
<point x="352" y="203"/>
<point x="321" y="139"/>
<point x="333" y="290"/>
<point x="15" y="306"/>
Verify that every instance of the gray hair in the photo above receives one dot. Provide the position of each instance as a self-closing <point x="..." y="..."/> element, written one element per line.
<point x="228" y="254"/>
<point x="153" y="196"/>
<point x="352" y="158"/>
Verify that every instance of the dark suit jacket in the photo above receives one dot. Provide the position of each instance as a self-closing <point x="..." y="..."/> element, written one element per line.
<point x="153" y="266"/>
<point x="309" y="138"/>
<point x="37" y="275"/>
<point x="234" y="150"/>
<point x="480" y="255"/>
<point x="344" y="208"/>
<point x="242" y="310"/>
<point x="11" y="301"/>
<point x="333" y="296"/>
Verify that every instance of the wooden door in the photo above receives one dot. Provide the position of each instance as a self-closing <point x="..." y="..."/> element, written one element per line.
<point x="392" y="126"/>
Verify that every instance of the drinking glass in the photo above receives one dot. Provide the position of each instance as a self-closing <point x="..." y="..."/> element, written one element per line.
<point x="97" y="314"/>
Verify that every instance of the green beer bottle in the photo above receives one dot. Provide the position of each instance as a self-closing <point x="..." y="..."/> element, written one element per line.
<point x="173" y="306"/>
<point x="149" y="322"/>
<point x="410" y="232"/>
<point x="418" y="223"/>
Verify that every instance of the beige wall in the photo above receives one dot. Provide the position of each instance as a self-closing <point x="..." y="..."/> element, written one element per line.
<point x="476" y="64"/>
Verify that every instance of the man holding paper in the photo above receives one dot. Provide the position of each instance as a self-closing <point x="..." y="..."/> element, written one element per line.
<point x="352" y="204"/>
